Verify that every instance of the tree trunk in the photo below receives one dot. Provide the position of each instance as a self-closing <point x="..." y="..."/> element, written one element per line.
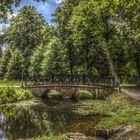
<point x="112" y="69"/>
<point x="138" y="69"/>
<point x="70" y="59"/>
<point x="86" y="59"/>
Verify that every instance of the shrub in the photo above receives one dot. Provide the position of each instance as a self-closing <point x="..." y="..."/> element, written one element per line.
<point x="23" y="94"/>
<point x="54" y="95"/>
<point x="82" y="94"/>
<point x="9" y="94"/>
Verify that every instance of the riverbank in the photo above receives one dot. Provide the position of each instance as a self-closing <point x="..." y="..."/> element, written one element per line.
<point x="121" y="116"/>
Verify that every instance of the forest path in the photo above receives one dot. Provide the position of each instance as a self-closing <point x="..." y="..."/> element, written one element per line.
<point x="133" y="92"/>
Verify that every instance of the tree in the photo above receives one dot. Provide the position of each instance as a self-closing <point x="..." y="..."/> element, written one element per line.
<point x="15" y="66"/>
<point x="25" y="33"/>
<point x="93" y="20"/>
<point x="36" y="61"/>
<point x="61" y="18"/>
<point x="37" y="57"/>
<point x="129" y="22"/>
<point x="4" y="62"/>
<point x="6" y="6"/>
<point x="55" y="58"/>
<point x="48" y="31"/>
<point x="0" y="52"/>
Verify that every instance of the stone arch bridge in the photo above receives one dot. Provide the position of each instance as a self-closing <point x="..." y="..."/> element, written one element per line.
<point x="69" y="84"/>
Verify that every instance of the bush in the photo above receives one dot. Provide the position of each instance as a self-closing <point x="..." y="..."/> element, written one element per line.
<point x="82" y="94"/>
<point x="23" y="94"/>
<point x="9" y="94"/>
<point x="54" y="95"/>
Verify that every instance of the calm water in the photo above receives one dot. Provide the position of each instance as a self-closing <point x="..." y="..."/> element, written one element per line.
<point x="26" y="122"/>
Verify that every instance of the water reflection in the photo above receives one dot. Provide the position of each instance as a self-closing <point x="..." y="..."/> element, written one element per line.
<point x="2" y="135"/>
<point x="24" y="122"/>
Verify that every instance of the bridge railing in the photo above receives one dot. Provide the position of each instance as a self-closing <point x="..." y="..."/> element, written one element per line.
<point x="70" y="80"/>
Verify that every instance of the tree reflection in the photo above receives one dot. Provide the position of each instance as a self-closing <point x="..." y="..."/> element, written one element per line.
<point x="26" y="122"/>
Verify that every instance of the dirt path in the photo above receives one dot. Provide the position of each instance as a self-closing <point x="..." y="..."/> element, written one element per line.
<point x="133" y="92"/>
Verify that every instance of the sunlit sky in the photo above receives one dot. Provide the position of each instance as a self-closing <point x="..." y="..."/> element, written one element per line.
<point x="46" y="9"/>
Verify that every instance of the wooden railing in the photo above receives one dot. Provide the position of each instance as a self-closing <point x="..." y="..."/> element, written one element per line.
<point x="70" y="80"/>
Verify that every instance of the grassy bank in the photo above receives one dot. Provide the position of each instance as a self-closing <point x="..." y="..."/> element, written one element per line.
<point x="7" y="83"/>
<point x="10" y="94"/>
<point x="119" y="109"/>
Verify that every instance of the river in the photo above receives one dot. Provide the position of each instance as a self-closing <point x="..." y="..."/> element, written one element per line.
<point x="30" y="121"/>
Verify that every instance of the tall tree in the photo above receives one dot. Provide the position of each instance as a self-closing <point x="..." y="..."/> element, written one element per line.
<point x="36" y="59"/>
<point x="129" y="22"/>
<point x="4" y="62"/>
<point x="6" y="6"/>
<point x="25" y="32"/>
<point x="0" y="52"/>
<point x="61" y="19"/>
<point x="55" y="58"/>
<point x="15" y="66"/>
<point x="93" y="19"/>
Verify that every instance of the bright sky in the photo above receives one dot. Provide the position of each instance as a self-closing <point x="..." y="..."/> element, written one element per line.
<point x="46" y="9"/>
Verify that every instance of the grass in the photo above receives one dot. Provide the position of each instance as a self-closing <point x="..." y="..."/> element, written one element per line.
<point x="128" y="85"/>
<point x="6" y="83"/>
<point x="118" y="109"/>
<point x="61" y="137"/>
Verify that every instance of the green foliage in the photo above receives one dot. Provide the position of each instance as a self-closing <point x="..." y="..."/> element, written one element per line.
<point x="54" y="58"/>
<point x="15" y="66"/>
<point x="48" y="31"/>
<point x="35" y="68"/>
<point x="0" y="52"/>
<point x="9" y="95"/>
<point x="117" y="107"/>
<point x="36" y="61"/>
<point x="4" y="62"/>
<point x="6" y="6"/>
<point x="97" y="37"/>
<point x="82" y="95"/>
<point x="23" y="94"/>
<point x="25" y="33"/>
<point x="54" y="95"/>
<point x="61" y="17"/>
<point x="11" y="83"/>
